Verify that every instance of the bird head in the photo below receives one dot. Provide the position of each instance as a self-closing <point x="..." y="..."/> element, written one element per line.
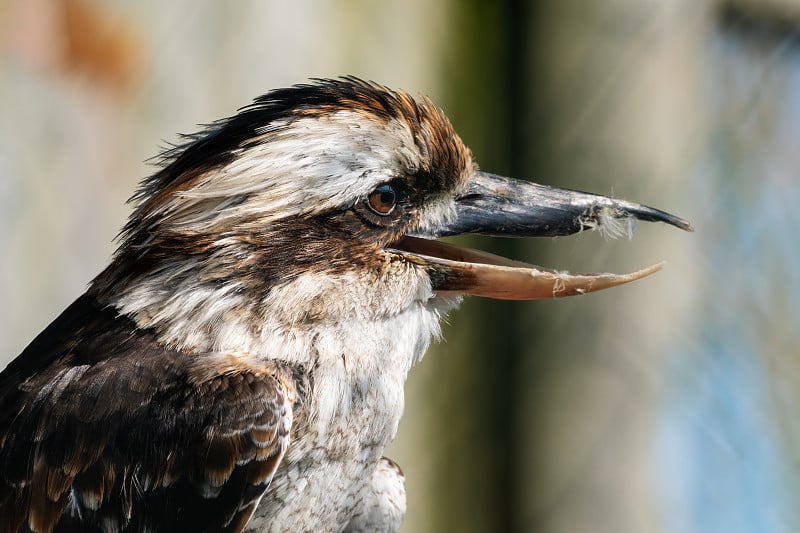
<point x="324" y="202"/>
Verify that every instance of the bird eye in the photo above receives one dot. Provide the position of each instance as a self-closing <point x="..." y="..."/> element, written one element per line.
<point x="383" y="199"/>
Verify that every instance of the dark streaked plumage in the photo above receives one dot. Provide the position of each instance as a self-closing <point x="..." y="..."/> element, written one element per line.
<point x="101" y="421"/>
<point x="240" y="363"/>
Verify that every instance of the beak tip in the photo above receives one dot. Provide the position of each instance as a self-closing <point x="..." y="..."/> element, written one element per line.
<point x="680" y="223"/>
<point x="652" y="269"/>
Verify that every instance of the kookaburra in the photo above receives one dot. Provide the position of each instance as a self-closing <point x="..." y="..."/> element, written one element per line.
<point x="239" y="366"/>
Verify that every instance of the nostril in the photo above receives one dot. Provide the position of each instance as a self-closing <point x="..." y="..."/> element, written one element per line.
<point x="468" y="196"/>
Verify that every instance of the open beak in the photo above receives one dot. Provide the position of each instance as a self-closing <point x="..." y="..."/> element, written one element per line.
<point x="505" y="207"/>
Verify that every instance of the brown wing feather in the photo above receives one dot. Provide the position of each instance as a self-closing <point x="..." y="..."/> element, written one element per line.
<point x="102" y="427"/>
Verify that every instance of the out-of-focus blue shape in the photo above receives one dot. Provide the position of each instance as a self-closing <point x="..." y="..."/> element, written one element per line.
<point x="724" y="468"/>
<point x="730" y="419"/>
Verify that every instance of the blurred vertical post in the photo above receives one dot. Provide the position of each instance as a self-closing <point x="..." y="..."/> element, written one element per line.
<point x="542" y="412"/>
<point x="465" y="384"/>
<point x="614" y="107"/>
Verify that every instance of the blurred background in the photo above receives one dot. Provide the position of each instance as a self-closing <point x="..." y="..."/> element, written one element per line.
<point x="669" y="405"/>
